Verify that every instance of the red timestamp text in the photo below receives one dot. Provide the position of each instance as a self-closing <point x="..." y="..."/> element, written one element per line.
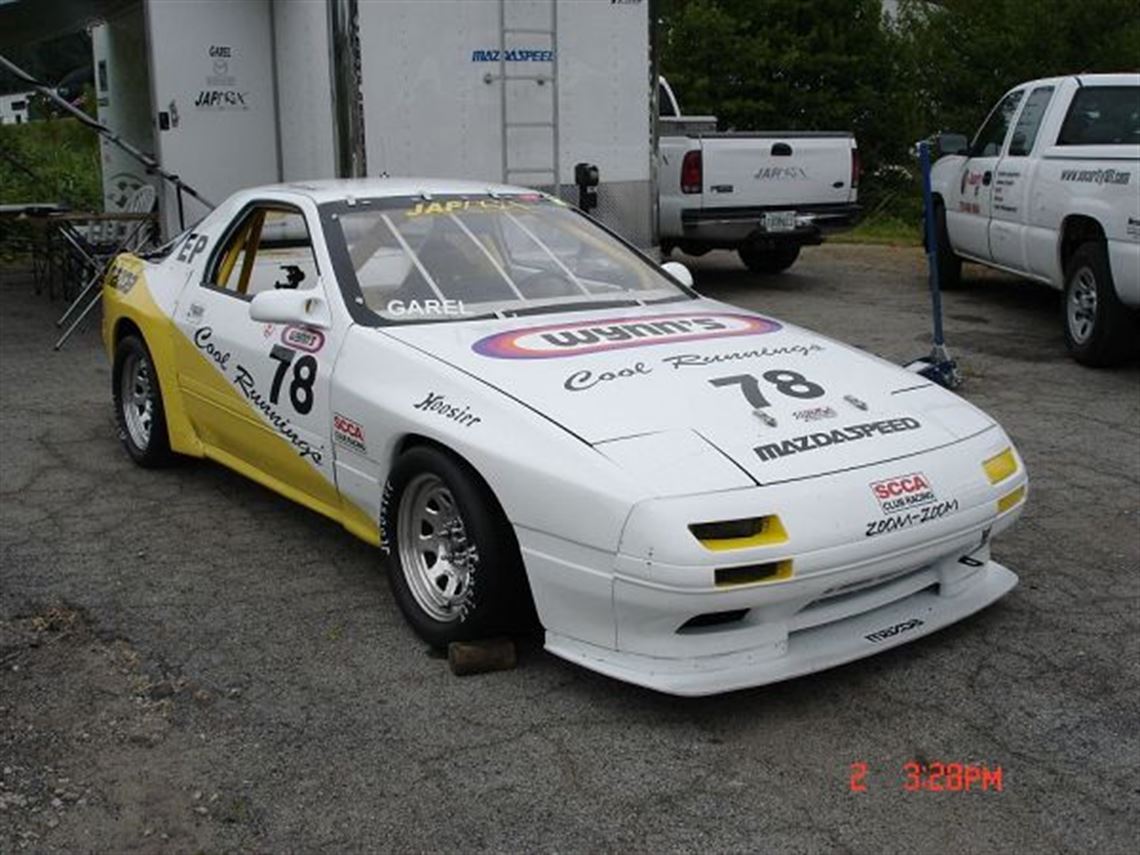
<point x="935" y="777"/>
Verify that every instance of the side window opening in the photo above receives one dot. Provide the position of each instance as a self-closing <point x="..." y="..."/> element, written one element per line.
<point x="990" y="138"/>
<point x="270" y="249"/>
<point x="1029" y="122"/>
<point x="1102" y="115"/>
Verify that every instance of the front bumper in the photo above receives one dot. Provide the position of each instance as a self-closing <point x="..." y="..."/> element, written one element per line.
<point x="939" y="595"/>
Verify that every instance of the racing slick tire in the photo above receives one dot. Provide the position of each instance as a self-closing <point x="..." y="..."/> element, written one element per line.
<point x="139" y="412"/>
<point x="768" y="260"/>
<point x="1097" y="325"/>
<point x="456" y="571"/>
<point x="949" y="264"/>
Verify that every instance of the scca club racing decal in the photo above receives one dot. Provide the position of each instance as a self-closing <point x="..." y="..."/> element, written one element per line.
<point x="903" y="493"/>
<point x="349" y="433"/>
<point x="574" y="339"/>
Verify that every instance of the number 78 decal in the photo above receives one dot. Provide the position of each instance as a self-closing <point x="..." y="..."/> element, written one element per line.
<point x="791" y="384"/>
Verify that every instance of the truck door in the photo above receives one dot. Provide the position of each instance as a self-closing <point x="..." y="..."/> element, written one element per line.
<point x="1009" y="222"/>
<point x="970" y="205"/>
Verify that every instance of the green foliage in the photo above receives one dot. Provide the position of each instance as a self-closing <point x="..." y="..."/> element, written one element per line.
<point x="839" y="65"/>
<point x="62" y="161"/>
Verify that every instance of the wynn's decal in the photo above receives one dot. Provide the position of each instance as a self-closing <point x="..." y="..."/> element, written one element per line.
<point x="823" y="439"/>
<point x="303" y="338"/>
<point x="687" y="360"/>
<point x="577" y="338"/>
<point x="435" y="403"/>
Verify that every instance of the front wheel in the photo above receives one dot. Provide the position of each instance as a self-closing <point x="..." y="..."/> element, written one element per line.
<point x="456" y="572"/>
<point x="1096" y="322"/>
<point x="139" y="412"/>
<point x="768" y="260"/>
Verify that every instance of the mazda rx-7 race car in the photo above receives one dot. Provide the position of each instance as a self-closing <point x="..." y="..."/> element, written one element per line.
<point x="535" y="421"/>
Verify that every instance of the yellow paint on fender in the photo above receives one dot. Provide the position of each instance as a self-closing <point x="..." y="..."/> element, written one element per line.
<point x="188" y="379"/>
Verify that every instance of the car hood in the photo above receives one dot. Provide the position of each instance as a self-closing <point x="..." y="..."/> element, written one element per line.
<point x="779" y="401"/>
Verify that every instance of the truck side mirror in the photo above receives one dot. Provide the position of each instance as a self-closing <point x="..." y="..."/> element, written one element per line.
<point x="945" y="144"/>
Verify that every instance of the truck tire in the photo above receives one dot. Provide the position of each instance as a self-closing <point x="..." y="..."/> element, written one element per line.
<point x="1097" y="325"/>
<point x="768" y="260"/>
<point x="949" y="264"/>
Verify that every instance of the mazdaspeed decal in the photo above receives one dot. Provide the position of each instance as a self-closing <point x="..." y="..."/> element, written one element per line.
<point x="575" y="338"/>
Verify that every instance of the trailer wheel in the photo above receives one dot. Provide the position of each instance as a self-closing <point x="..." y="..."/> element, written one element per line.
<point x="768" y="260"/>
<point x="1096" y="322"/>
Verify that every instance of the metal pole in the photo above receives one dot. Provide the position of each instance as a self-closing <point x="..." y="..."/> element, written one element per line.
<point x="931" y="242"/>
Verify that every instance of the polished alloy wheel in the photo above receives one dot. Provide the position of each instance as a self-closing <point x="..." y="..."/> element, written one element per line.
<point x="437" y="558"/>
<point x="137" y="399"/>
<point x="1081" y="309"/>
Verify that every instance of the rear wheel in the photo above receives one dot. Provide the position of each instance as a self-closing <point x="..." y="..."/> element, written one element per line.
<point x="138" y="404"/>
<point x="457" y="574"/>
<point x="1097" y="324"/>
<point x="774" y="260"/>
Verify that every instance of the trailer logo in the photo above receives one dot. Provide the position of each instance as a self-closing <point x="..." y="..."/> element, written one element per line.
<point x="221" y="99"/>
<point x="575" y="339"/>
<point x="512" y="55"/>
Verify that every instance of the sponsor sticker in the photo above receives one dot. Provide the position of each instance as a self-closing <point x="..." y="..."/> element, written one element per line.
<point x="814" y="414"/>
<point x="303" y="338"/>
<point x="903" y="492"/>
<point x="824" y="439"/>
<point x="576" y="338"/>
<point x="892" y="631"/>
<point x="349" y="433"/>
<point x="438" y="404"/>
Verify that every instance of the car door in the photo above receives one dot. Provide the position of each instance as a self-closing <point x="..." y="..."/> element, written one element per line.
<point x="969" y="210"/>
<point x="1009" y="217"/>
<point x="257" y="393"/>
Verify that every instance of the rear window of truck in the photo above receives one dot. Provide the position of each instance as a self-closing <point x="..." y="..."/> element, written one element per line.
<point x="1103" y="115"/>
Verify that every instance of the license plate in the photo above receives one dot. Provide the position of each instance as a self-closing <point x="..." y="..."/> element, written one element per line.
<point x="780" y="221"/>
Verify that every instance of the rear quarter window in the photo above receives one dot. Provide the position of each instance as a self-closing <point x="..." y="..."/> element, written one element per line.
<point x="1103" y="115"/>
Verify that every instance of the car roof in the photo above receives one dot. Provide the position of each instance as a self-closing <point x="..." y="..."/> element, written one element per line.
<point x="338" y="189"/>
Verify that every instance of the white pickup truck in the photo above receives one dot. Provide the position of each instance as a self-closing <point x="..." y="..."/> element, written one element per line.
<point x="763" y="194"/>
<point x="1050" y="189"/>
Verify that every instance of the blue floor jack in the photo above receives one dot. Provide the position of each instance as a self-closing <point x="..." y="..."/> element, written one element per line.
<point x="938" y="367"/>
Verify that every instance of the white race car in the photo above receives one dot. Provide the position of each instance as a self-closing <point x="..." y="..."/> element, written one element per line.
<point x="535" y="420"/>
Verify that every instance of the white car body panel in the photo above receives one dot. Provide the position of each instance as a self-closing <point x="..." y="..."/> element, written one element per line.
<point x="603" y="438"/>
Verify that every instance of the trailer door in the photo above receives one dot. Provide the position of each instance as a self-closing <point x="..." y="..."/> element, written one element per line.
<point x="211" y="65"/>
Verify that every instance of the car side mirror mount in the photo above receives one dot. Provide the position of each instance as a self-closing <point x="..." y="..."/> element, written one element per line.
<point x="679" y="272"/>
<point x="945" y="144"/>
<point x="307" y="307"/>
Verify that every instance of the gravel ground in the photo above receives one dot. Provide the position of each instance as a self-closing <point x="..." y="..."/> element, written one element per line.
<point x="189" y="663"/>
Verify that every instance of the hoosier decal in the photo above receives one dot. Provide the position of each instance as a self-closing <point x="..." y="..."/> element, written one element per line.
<point x="573" y="339"/>
<point x="823" y="439"/>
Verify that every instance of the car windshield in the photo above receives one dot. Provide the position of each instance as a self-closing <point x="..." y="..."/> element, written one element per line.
<point x="461" y="257"/>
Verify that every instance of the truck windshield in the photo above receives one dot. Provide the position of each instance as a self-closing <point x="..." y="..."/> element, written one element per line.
<point x="459" y="257"/>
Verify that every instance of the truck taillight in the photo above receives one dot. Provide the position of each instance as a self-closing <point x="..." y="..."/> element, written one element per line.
<point x="856" y="168"/>
<point x="691" y="178"/>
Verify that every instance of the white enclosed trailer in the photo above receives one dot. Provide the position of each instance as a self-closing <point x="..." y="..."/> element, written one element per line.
<point x="515" y="91"/>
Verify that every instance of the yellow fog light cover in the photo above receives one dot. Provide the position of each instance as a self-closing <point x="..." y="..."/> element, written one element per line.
<point x="773" y="571"/>
<point x="1000" y="466"/>
<point x="740" y="534"/>
<point x="1009" y="500"/>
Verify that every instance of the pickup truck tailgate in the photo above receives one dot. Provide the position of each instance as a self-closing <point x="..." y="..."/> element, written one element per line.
<point x="770" y="170"/>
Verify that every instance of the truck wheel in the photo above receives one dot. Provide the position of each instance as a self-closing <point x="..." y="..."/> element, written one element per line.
<point x="949" y="264"/>
<point x="457" y="573"/>
<point x="139" y="413"/>
<point x="1096" y="322"/>
<point x="768" y="260"/>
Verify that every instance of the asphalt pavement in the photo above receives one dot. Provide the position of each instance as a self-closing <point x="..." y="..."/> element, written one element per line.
<point x="189" y="663"/>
